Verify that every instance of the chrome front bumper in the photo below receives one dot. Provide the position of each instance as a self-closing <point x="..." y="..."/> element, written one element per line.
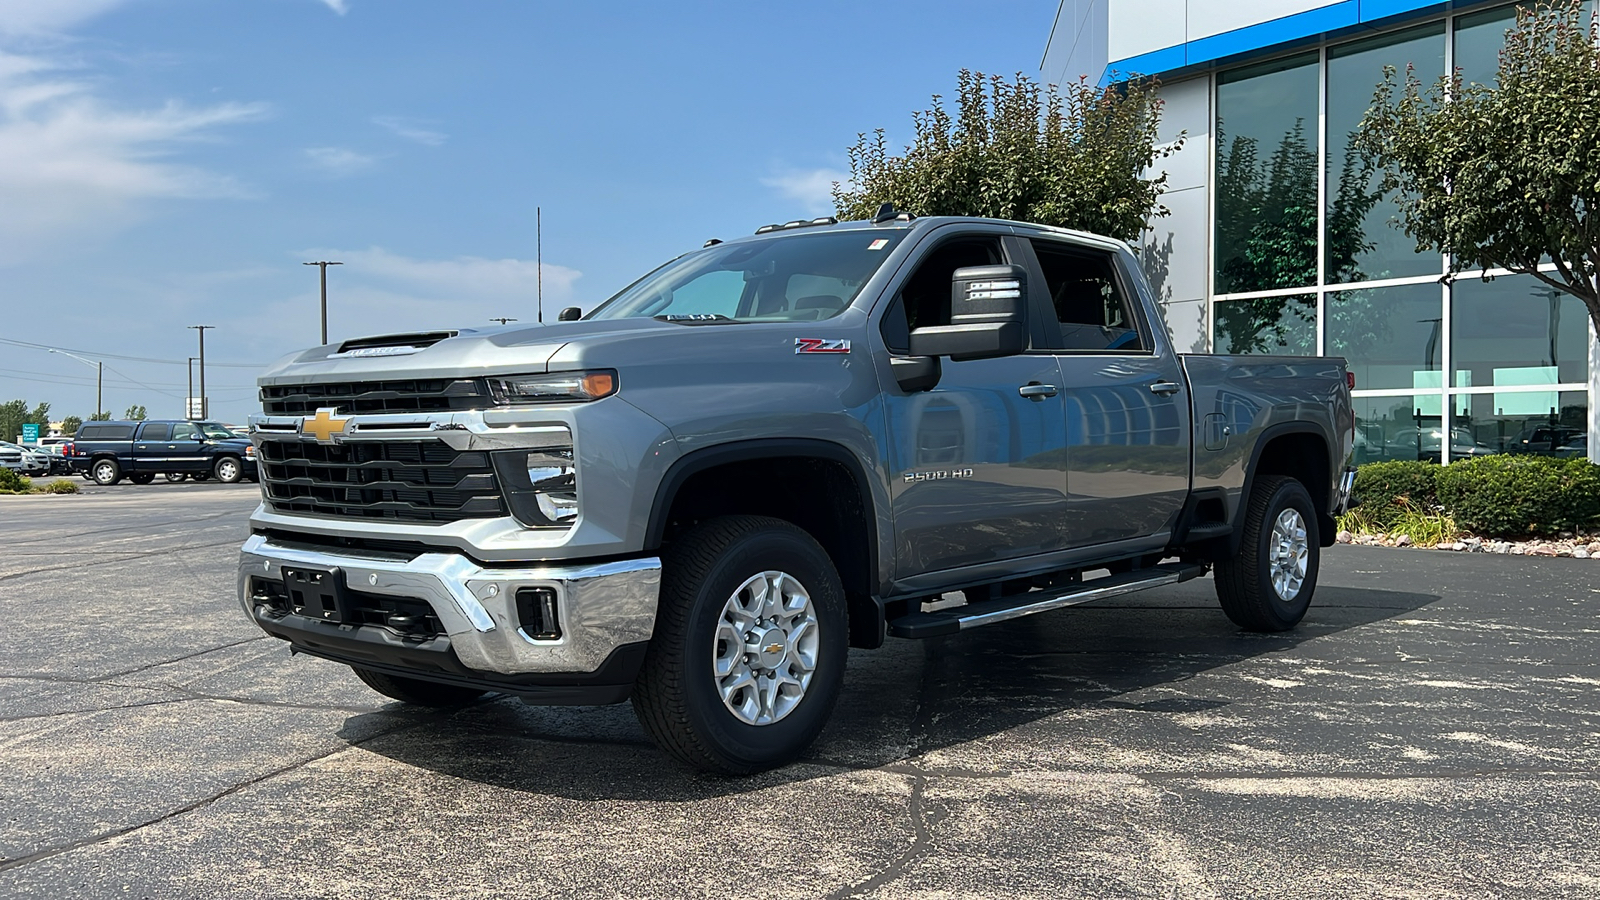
<point x="602" y="606"/>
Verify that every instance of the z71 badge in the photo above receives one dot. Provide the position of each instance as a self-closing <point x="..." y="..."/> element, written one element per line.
<point x="821" y="345"/>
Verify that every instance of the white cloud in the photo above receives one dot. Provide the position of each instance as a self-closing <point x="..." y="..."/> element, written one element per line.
<point x="339" y="161"/>
<point x="339" y="6"/>
<point x="811" y="188"/>
<point x="45" y="17"/>
<point x="71" y="161"/>
<point x="411" y="130"/>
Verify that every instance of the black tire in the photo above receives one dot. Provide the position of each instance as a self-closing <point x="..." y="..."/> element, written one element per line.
<point x="174" y="477"/>
<point x="677" y="698"/>
<point x="105" y="472"/>
<point x="1245" y="582"/>
<point x="201" y="476"/>
<point x="227" y="469"/>
<point x="416" y="691"/>
<point x="142" y="477"/>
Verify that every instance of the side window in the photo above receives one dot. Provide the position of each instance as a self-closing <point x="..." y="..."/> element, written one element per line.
<point x="1089" y="301"/>
<point x="185" y="431"/>
<point x="924" y="298"/>
<point x="155" y="432"/>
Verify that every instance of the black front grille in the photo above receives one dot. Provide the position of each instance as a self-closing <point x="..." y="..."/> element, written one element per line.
<point x="348" y="397"/>
<point x="415" y="481"/>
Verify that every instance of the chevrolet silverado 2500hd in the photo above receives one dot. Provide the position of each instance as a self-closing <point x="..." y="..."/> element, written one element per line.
<point x="768" y="451"/>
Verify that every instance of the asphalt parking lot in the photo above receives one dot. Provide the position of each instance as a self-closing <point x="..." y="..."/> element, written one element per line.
<point x="1430" y="731"/>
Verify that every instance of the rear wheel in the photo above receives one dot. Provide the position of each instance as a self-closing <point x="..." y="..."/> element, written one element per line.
<point x="1268" y="585"/>
<point x="416" y="691"/>
<point x="142" y="477"/>
<point x="105" y="472"/>
<point x="174" y="477"/>
<point x="749" y="650"/>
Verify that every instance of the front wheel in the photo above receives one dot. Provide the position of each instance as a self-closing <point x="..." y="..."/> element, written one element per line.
<point x="1268" y="585"/>
<point x="749" y="649"/>
<point x="227" y="470"/>
<point x="105" y="472"/>
<point x="417" y="691"/>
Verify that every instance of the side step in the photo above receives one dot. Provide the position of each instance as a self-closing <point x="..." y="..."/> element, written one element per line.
<point x="988" y="612"/>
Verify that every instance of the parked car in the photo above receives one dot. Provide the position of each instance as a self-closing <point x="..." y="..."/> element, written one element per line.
<point x="1543" y="439"/>
<point x="770" y="450"/>
<point x="1423" y="444"/>
<point x="139" y="451"/>
<point x="1577" y="446"/>
<point x="11" y="457"/>
<point x="31" y="461"/>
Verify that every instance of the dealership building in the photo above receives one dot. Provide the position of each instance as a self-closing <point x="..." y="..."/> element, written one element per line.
<point x="1278" y="241"/>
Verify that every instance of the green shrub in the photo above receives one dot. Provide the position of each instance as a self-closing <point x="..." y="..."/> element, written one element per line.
<point x="1386" y="492"/>
<point x="12" y="483"/>
<point x="61" y="486"/>
<point x="1518" y="496"/>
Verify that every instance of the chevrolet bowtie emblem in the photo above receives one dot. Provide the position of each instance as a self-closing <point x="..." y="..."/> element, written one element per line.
<point x="322" y="426"/>
<point x="772" y="648"/>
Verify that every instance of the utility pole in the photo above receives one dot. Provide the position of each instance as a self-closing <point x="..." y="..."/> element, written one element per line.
<point x="99" y="376"/>
<point x="323" y="265"/>
<point x="501" y="319"/>
<point x="204" y="405"/>
<point x="538" y="257"/>
<point x="188" y="412"/>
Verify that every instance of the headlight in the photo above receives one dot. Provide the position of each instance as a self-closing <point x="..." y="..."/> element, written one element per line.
<point x="250" y="450"/>
<point x="553" y="387"/>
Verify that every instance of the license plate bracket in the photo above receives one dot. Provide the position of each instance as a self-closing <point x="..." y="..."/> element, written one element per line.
<point x="318" y="594"/>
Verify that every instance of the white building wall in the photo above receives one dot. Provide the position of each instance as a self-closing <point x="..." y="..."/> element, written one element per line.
<point x="1209" y="17"/>
<point x="1176" y="252"/>
<point x="1077" y="47"/>
<point x="1140" y="26"/>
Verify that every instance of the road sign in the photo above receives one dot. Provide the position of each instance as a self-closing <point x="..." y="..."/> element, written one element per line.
<point x="195" y="408"/>
<point x="30" y="433"/>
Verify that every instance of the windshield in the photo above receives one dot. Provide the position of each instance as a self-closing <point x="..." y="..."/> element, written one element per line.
<point x="795" y="278"/>
<point x="215" y="431"/>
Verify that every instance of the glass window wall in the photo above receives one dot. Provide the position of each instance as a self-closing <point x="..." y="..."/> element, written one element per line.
<point x="1543" y="423"/>
<point x="1517" y="330"/>
<point x="1392" y="336"/>
<point x="1266" y="184"/>
<point x="1360" y="244"/>
<point x="1284" y="326"/>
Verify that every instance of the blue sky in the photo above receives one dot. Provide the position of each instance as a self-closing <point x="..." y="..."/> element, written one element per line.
<point x="166" y="163"/>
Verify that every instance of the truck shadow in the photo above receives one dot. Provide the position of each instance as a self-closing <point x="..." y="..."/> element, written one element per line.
<point x="910" y="698"/>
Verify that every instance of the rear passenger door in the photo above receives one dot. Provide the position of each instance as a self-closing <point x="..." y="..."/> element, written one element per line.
<point x="1127" y="416"/>
<point x="150" y="447"/>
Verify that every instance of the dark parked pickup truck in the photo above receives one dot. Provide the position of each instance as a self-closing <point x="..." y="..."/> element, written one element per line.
<point x="768" y="451"/>
<point x="139" y="451"/>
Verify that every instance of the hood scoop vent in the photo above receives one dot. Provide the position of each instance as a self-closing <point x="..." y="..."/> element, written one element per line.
<point x="390" y="344"/>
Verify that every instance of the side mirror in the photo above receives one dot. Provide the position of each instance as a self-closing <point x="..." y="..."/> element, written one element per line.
<point x="570" y="314"/>
<point x="988" y="316"/>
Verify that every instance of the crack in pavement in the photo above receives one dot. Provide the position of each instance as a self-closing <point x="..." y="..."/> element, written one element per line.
<point x="119" y="559"/>
<point x="102" y="837"/>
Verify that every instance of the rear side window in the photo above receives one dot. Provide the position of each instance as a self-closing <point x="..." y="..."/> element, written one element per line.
<point x="155" y="431"/>
<point x="1089" y="301"/>
<point x="105" y="432"/>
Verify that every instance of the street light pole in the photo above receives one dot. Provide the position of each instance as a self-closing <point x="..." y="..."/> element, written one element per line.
<point x="99" y="377"/>
<point x="204" y="405"/>
<point x="188" y="411"/>
<point x="323" y="265"/>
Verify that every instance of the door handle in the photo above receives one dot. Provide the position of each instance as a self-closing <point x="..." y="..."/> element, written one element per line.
<point x="1033" y="390"/>
<point x="1165" y="387"/>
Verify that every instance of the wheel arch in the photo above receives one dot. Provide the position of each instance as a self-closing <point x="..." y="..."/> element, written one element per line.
<point x="1299" y="450"/>
<point x="817" y="485"/>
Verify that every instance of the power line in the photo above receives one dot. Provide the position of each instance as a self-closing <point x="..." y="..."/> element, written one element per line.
<point x="87" y="380"/>
<point x="143" y="359"/>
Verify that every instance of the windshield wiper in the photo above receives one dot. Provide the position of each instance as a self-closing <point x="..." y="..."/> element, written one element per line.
<point x="696" y="319"/>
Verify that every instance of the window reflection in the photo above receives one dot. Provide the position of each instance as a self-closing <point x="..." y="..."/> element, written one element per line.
<point x="1266" y="186"/>
<point x="1360" y="244"/>
<point x="1276" y="325"/>
<point x="1391" y="336"/>
<point x="1517" y="331"/>
<point x="1539" y="422"/>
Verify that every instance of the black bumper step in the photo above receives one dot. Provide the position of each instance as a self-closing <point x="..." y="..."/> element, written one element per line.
<point x="988" y="612"/>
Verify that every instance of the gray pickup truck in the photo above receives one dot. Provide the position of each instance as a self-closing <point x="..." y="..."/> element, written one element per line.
<point x="768" y="451"/>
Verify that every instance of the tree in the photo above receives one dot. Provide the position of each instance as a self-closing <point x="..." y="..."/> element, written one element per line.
<point x="1073" y="157"/>
<point x="135" y="412"/>
<point x="71" y="424"/>
<point x="1506" y="176"/>
<point x="15" y="413"/>
<point x="100" y="417"/>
